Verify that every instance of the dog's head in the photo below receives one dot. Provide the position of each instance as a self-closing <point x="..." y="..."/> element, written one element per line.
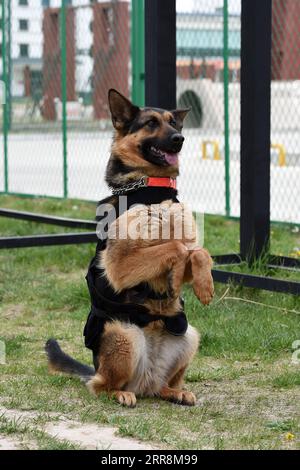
<point x="147" y="141"/>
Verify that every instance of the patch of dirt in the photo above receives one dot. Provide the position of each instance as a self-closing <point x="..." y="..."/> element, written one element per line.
<point x="93" y="437"/>
<point x="13" y="311"/>
<point x="23" y="416"/>
<point x="7" y="443"/>
<point x="243" y="398"/>
<point x="87" y="436"/>
<point x="251" y="408"/>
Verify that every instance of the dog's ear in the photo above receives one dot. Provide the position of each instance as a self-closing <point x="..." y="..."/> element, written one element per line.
<point x="180" y="115"/>
<point x="122" y="110"/>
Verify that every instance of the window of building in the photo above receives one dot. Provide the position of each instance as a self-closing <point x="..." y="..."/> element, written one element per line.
<point x="24" y="50"/>
<point x="23" y="3"/>
<point x="23" y="25"/>
<point x="46" y="3"/>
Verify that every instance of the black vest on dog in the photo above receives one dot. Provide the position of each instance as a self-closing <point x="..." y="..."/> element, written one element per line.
<point x="109" y="306"/>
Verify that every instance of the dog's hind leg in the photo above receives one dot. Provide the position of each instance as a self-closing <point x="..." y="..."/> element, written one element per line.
<point x="177" y="380"/>
<point x="98" y="384"/>
<point x="173" y="388"/>
<point x="181" y="397"/>
<point x="125" y="398"/>
<point x="174" y="391"/>
<point x="117" y="358"/>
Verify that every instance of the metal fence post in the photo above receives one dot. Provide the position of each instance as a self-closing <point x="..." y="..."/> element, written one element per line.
<point x="63" y="43"/>
<point x="160" y="48"/>
<point x="9" y="67"/>
<point x="255" y="128"/>
<point x="226" y="110"/>
<point x="138" y="51"/>
<point x="5" y="104"/>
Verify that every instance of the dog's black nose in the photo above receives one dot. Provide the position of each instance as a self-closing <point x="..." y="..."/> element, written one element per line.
<point x="177" y="139"/>
<point x="176" y="142"/>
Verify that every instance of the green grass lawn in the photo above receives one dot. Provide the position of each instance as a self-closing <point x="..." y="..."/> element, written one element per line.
<point x="247" y="387"/>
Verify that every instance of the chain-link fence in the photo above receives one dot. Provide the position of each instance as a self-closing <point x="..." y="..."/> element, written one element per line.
<point x="59" y="58"/>
<point x="285" y="115"/>
<point x="208" y="71"/>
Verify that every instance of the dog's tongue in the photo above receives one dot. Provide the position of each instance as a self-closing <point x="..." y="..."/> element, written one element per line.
<point x="171" y="158"/>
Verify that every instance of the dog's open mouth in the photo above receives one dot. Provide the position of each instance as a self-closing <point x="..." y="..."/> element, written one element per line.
<point x="164" y="157"/>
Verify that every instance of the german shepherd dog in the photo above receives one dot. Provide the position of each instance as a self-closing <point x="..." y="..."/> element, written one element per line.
<point x="149" y="360"/>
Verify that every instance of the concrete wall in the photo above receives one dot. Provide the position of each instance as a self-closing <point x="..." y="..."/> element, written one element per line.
<point x="285" y="103"/>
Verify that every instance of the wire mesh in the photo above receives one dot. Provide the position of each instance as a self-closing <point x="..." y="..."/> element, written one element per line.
<point x="208" y="70"/>
<point x="34" y="141"/>
<point x="285" y="120"/>
<point x="285" y="116"/>
<point x="59" y="147"/>
<point x="101" y="61"/>
<point x="63" y="57"/>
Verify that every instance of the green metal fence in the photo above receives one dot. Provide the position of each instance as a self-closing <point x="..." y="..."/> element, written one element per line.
<point x="208" y="69"/>
<point x="58" y="64"/>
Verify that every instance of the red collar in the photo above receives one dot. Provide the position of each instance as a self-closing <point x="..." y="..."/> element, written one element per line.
<point x="145" y="182"/>
<point x="161" y="182"/>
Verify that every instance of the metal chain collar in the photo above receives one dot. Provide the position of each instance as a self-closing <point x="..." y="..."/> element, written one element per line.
<point x="128" y="188"/>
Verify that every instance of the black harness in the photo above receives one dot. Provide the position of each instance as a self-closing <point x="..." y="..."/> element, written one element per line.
<point x="109" y="306"/>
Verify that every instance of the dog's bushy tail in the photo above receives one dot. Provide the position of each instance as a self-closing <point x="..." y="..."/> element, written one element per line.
<point x="62" y="362"/>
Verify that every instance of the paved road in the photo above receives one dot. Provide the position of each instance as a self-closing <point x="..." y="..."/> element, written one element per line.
<point x="35" y="167"/>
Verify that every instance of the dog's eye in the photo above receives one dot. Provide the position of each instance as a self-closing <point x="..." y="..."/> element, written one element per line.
<point x="173" y="122"/>
<point x="152" y="123"/>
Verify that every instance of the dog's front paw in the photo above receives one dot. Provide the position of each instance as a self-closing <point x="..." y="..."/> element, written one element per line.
<point x="204" y="288"/>
<point x="203" y="283"/>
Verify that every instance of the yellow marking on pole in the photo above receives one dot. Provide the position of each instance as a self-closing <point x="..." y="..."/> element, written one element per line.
<point x="216" y="149"/>
<point x="281" y="153"/>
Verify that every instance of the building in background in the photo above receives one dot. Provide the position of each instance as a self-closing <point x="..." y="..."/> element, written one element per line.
<point x="27" y="41"/>
<point x="97" y="57"/>
<point x="286" y="40"/>
<point x="98" y="53"/>
<point x="200" y="45"/>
